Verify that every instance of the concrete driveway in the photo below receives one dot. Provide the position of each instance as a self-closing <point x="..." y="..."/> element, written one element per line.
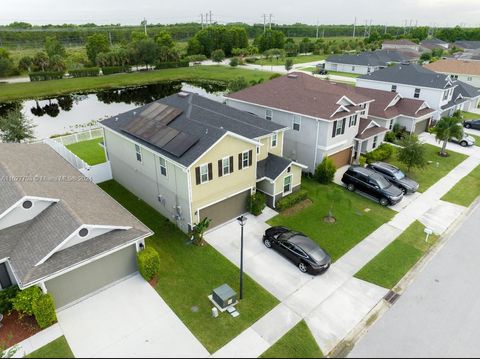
<point x="127" y="320"/>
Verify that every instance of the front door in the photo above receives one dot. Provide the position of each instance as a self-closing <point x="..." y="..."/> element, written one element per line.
<point x="5" y="281"/>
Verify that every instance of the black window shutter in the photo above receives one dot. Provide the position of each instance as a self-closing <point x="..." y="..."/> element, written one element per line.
<point x="334" y="128"/>
<point x="210" y="172"/>
<point x="231" y="164"/>
<point x="220" y="168"/>
<point x="344" y="125"/>
<point x="240" y="162"/>
<point x="197" y="174"/>
<point x="250" y="157"/>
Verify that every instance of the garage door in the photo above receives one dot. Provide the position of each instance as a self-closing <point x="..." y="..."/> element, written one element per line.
<point x="92" y="277"/>
<point x="342" y="158"/>
<point x="422" y="126"/>
<point x="226" y="210"/>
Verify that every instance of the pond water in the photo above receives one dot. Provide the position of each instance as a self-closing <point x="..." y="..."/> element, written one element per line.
<point x="78" y="112"/>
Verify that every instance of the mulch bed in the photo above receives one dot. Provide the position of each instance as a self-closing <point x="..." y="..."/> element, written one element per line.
<point x="297" y="208"/>
<point x="14" y="330"/>
<point x="153" y="282"/>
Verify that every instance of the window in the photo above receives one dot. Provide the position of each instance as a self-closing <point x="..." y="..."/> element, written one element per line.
<point x="368" y="70"/>
<point x="274" y="140"/>
<point x="163" y="167"/>
<point x="83" y="232"/>
<point x="258" y="150"/>
<point x="469" y="78"/>
<point x="204" y="177"/>
<point x="445" y="95"/>
<point x="392" y="122"/>
<point x="226" y="166"/>
<point x="353" y="121"/>
<point x="375" y="142"/>
<point x="138" y="151"/>
<point x="297" y="120"/>
<point x="287" y="185"/>
<point x="340" y="128"/>
<point x="27" y="204"/>
<point x="394" y="88"/>
<point x="268" y="114"/>
<point x="417" y="93"/>
<point x="245" y="159"/>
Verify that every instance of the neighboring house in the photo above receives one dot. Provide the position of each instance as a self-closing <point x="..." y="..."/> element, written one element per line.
<point x="431" y="44"/>
<point x="468" y="46"/>
<point x="367" y="62"/>
<point x="413" y="81"/>
<point x="465" y="71"/>
<point x="402" y="44"/>
<point x="58" y="230"/>
<point x="192" y="158"/>
<point x="323" y="117"/>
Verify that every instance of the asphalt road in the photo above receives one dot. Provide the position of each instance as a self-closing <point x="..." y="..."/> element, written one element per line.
<point x="439" y="314"/>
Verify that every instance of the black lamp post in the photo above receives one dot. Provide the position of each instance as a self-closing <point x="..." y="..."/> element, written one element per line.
<point x="241" y="220"/>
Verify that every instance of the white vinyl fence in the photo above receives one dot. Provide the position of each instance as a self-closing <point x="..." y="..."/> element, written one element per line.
<point x="79" y="137"/>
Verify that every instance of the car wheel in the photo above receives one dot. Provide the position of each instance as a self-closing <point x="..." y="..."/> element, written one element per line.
<point x="404" y="190"/>
<point x="303" y="267"/>
<point x="384" y="201"/>
<point x="351" y="187"/>
<point x="463" y="144"/>
<point x="267" y="243"/>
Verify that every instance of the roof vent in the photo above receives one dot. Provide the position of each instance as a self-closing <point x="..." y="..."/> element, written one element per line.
<point x="183" y="94"/>
<point x="292" y="76"/>
<point x="116" y="118"/>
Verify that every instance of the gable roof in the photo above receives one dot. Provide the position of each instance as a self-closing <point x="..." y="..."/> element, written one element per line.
<point x="451" y="66"/>
<point x="404" y="42"/>
<point x="303" y="94"/>
<point x="81" y="202"/>
<point x="272" y="167"/>
<point x="375" y="58"/>
<point x="410" y="74"/>
<point x="201" y="118"/>
<point x="368" y="128"/>
<point x="469" y="45"/>
<point x="461" y="94"/>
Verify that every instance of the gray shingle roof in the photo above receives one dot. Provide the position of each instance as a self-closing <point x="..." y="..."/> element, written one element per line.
<point x="412" y="74"/>
<point x="272" y="167"/>
<point x="376" y="58"/>
<point x="469" y="45"/>
<point x="464" y="90"/>
<point x="204" y="118"/>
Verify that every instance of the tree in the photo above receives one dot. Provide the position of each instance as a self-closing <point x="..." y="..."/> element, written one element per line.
<point x="448" y="128"/>
<point x="6" y="64"/>
<point x="412" y="153"/>
<point x="165" y="39"/>
<point x="40" y="61"/>
<point x="291" y="49"/>
<point x="145" y="52"/>
<point x="14" y="127"/>
<point x="426" y="56"/>
<point x="306" y="45"/>
<point x="234" y="62"/>
<point x="96" y="44"/>
<point x="274" y="53"/>
<point x="25" y="63"/>
<point x="271" y="39"/>
<point x="198" y="231"/>
<point x="56" y="63"/>
<point x="218" y="55"/>
<point x="288" y="64"/>
<point x="53" y="47"/>
<point x="166" y="47"/>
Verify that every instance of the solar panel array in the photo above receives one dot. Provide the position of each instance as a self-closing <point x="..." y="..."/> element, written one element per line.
<point x="151" y="126"/>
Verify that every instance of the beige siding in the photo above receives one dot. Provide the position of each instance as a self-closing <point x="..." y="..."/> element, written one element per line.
<point x="296" y="172"/>
<point x="267" y="148"/>
<point x="220" y="188"/>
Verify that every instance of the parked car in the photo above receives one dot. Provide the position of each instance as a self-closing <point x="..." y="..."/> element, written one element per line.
<point x="465" y="141"/>
<point x="475" y="124"/>
<point x="322" y="72"/>
<point x="372" y="184"/>
<point x="308" y="256"/>
<point x="395" y="176"/>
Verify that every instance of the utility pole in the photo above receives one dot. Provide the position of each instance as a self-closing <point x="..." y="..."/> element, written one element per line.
<point x="144" y="23"/>
<point x="201" y="17"/>
<point x="264" y="23"/>
<point x="110" y="37"/>
<point x="317" y="29"/>
<point x="270" y="20"/>
<point x="210" y="13"/>
<point x="354" y="27"/>
<point x="385" y="29"/>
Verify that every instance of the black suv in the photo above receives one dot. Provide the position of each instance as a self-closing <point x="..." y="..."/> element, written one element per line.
<point x="475" y="124"/>
<point x="372" y="184"/>
<point x="395" y="176"/>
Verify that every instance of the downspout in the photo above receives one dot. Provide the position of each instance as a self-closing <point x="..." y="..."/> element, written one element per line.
<point x="316" y="147"/>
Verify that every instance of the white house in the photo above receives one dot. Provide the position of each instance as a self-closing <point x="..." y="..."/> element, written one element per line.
<point x="462" y="70"/>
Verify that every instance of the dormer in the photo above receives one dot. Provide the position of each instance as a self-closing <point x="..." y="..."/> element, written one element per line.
<point x="24" y="210"/>
<point x="394" y="101"/>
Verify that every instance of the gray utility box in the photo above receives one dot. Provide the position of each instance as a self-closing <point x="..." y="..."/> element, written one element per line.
<point x="224" y="296"/>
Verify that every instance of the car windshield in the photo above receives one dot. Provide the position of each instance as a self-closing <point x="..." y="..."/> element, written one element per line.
<point x="399" y="175"/>
<point x="382" y="182"/>
<point x="286" y="236"/>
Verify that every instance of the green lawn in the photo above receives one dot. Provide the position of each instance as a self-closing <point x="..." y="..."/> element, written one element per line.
<point x="356" y="216"/>
<point x="42" y="89"/>
<point x="477" y="139"/>
<point x="394" y="262"/>
<point x="189" y="274"/>
<point x="59" y="348"/>
<point x="466" y="191"/>
<point x="296" y="60"/>
<point x="345" y="74"/>
<point x="297" y="343"/>
<point x="470" y="116"/>
<point x="89" y="151"/>
<point x="432" y="173"/>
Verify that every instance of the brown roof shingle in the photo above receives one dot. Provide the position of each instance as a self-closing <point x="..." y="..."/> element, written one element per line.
<point x="450" y="66"/>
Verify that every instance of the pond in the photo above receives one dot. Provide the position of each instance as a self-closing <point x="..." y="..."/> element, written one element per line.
<point x="78" y="112"/>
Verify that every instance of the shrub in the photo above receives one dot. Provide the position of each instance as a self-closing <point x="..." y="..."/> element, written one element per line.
<point x="196" y="58"/>
<point x="85" y="72"/>
<point x="275" y="75"/>
<point x="45" y="75"/>
<point x="6" y="297"/>
<point x="291" y="200"/>
<point x="148" y="262"/>
<point x="362" y="161"/>
<point x="218" y="55"/>
<point x="234" y="62"/>
<point x="110" y="70"/>
<point x="390" y="137"/>
<point x="237" y="84"/>
<point x="23" y="301"/>
<point x="257" y="203"/>
<point x="382" y="153"/>
<point x="288" y="64"/>
<point x="44" y="311"/>
<point x="250" y="60"/>
<point x="172" y="65"/>
<point x="325" y="171"/>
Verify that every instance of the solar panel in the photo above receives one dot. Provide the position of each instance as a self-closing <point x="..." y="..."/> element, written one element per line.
<point x="180" y="144"/>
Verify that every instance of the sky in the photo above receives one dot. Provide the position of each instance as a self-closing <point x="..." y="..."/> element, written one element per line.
<point x="128" y="12"/>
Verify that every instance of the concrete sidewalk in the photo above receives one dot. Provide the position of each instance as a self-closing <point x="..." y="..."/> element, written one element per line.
<point x="37" y="341"/>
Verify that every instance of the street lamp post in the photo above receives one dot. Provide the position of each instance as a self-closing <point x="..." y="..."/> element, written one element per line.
<point x="241" y="220"/>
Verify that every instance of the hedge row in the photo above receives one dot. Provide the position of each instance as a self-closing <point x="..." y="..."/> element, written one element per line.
<point x="382" y="153"/>
<point x="85" y="72"/>
<point x="33" y="302"/>
<point x="291" y="200"/>
<point x="172" y="65"/>
<point x="110" y="70"/>
<point x="45" y="75"/>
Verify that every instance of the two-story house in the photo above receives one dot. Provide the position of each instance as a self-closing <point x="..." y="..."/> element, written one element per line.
<point x="462" y="70"/>
<point x="439" y="91"/>
<point x="402" y="44"/>
<point x="192" y="158"/>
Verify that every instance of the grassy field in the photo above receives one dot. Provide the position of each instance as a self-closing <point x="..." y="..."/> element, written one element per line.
<point x="89" y="151"/>
<point x="59" y="348"/>
<point x="41" y="89"/>
<point x="345" y="74"/>
<point x="394" y="262"/>
<point x="297" y="343"/>
<point x="470" y="116"/>
<point x="466" y="191"/>
<point x="432" y="173"/>
<point x="296" y="60"/>
<point x="189" y="274"/>
<point x="354" y="221"/>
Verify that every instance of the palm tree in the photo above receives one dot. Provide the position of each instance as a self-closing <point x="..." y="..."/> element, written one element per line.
<point x="446" y="129"/>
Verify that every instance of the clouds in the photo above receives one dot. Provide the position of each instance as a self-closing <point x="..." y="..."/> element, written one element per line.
<point x="441" y="12"/>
